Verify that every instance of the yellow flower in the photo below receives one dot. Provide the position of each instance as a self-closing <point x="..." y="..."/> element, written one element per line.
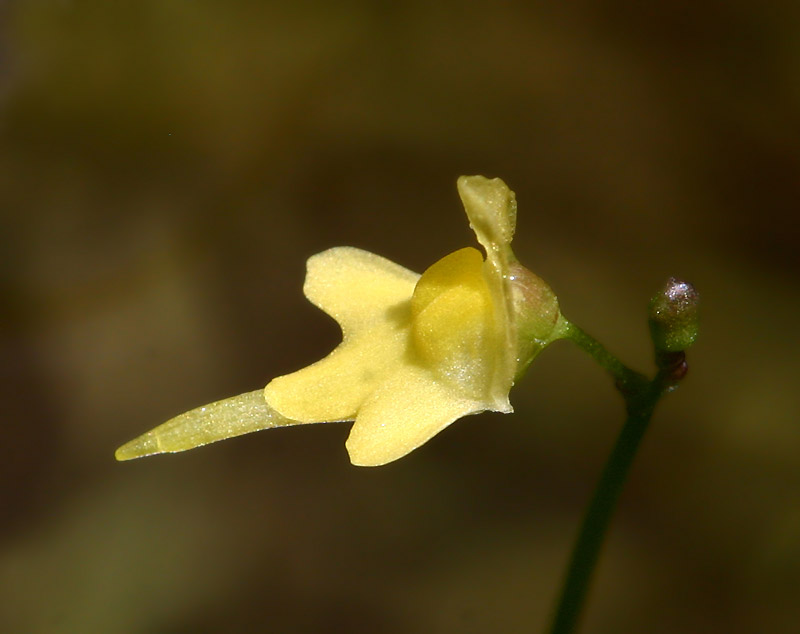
<point x="418" y="352"/>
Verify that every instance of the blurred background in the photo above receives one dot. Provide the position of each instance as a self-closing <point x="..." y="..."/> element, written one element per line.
<point x="166" y="167"/>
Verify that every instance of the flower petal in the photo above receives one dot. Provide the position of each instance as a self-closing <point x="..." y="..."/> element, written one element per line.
<point x="334" y="388"/>
<point x="453" y="324"/>
<point x="491" y="208"/>
<point x="356" y="287"/>
<point x="230" y="417"/>
<point x="370" y="297"/>
<point x="492" y="211"/>
<point x="404" y="412"/>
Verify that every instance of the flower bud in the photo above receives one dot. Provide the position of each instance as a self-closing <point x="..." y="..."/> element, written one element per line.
<point x="673" y="316"/>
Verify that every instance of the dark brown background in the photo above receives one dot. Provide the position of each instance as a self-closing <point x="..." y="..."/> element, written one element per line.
<point x="167" y="166"/>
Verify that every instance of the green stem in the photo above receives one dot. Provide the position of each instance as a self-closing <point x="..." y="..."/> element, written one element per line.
<point x="641" y="397"/>
<point x="626" y="379"/>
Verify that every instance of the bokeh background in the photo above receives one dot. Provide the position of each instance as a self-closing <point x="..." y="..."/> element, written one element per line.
<point x="167" y="166"/>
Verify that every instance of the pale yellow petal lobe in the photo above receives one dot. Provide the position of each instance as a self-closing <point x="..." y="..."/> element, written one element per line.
<point x="334" y="388"/>
<point x="370" y="297"/>
<point x="492" y="211"/>
<point x="403" y="413"/>
<point x="356" y="287"/>
<point x="491" y="208"/>
<point x="453" y="327"/>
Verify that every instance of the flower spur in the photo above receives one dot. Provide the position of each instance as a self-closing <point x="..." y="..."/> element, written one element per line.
<point x="417" y="352"/>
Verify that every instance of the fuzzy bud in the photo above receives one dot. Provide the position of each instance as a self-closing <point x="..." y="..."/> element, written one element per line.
<point x="673" y="316"/>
